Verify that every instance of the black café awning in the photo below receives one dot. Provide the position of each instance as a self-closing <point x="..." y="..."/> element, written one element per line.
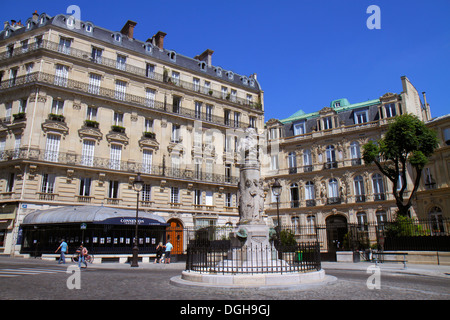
<point x="92" y="214"/>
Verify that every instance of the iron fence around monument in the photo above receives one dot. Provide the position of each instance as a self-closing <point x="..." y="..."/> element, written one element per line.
<point x="222" y="258"/>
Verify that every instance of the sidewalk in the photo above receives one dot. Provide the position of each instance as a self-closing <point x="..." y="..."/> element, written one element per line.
<point x="417" y="269"/>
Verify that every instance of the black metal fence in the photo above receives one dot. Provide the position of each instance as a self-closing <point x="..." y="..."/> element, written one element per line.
<point x="222" y="258"/>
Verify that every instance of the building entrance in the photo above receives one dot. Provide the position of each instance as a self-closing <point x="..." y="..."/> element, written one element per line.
<point x="337" y="228"/>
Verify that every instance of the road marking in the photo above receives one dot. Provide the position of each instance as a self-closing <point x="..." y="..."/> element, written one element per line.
<point x="5" y="273"/>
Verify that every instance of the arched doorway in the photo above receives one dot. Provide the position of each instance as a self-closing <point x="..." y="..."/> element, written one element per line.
<point x="336" y="230"/>
<point x="174" y="234"/>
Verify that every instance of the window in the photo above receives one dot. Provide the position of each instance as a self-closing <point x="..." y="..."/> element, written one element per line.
<point x="197" y="197"/>
<point x="176" y="77"/>
<point x="121" y="62"/>
<point x="147" y="156"/>
<point x="198" y="110"/>
<point x="196" y="84"/>
<point x="207" y="88"/>
<point x="361" y="217"/>
<point x="64" y="45"/>
<point x="94" y="83"/>
<point x="58" y="107"/>
<point x="430" y="183"/>
<point x="295" y="221"/>
<point x="85" y="187"/>
<point x="252" y="122"/>
<point x="113" y="192"/>
<point x="447" y="136"/>
<point x="307" y="163"/>
<point x="309" y="194"/>
<point x="61" y="75"/>
<point x="146" y="193"/>
<point x="359" y="189"/>
<point x="91" y="113"/>
<point x="233" y="95"/>
<point x="208" y="116"/>
<point x="274" y="162"/>
<point x="121" y="88"/>
<point x="249" y="100"/>
<point x="115" y="157"/>
<point x="226" y="116"/>
<point x="148" y="125"/>
<point x="96" y="55"/>
<point x="292" y="162"/>
<point x="23" y="105"/>
<point x="389" y="110"/>
<point x="227" y="172"/>
<point x="311" y="224"/>
<point x="209" y="198"/>
<point x="327" y="123"/>
<point x="224" y="92"/>
<point x="209" y="170"/>
<point x="176" y="104"/>
<point x="117" y="118"/>
<point x="52" y="148"/>
<point x="175" y="165"/>
<point x="117" y="37"/>
<point x="333" y="189"/>
<point x="355" y="153"/>
<point x="87" y="153"/>
<point x="48" y="183"/>
<point x="175" y="133"/>
<point x="228" y="199"/>
<point x="150" y="71"/>
<point x="237" y="117"/>
<point x="331" y="157"/>
<point x="174" y="192"/>
<point x="437" y="223"/>
<point x="13" y="76"/>
<point x="150" y="98"/>
<point x="381" y="217"/>
<point x="361" y="116"/>
<point x="295" y="203"/>
<point x="24" y="45"/>
<point x="378" y="188"/>
<point x="10" y="183"/>
<point x="299" y="128"/>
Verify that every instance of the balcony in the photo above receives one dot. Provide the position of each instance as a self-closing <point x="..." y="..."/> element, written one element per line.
<point x="46" y="79"/>
<point x="334" y="200"/>
<point x="379" y="196"/>
<point x="330" y="165"/>
<point x="96" y="163"/>
<point x="360" y="198"/>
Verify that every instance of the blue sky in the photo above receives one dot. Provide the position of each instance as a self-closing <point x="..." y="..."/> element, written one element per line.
<point x="306" y="53"/>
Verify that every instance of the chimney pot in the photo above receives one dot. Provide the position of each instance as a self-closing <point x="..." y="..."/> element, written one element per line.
<point x="206" y="56"/>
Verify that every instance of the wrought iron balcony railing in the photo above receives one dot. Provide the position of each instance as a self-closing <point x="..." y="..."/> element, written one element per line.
<point x="104" y="93"/>
<point x="73" y="159"/>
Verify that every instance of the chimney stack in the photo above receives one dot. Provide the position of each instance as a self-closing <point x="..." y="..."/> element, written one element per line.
<point x="128" y="29"/>
<point x="206" y="56"/>
<point x="159" y="39"/>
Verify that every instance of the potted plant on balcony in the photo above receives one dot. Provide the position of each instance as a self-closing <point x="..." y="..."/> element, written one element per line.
<point x="149" y="134"/>
<point x="19" y="116"/>
<point x="118" y="129"/>
<point x="56" y="117"/>
<point x="91" y="124"/>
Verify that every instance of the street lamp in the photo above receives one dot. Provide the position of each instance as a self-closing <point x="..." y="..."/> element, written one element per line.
<point x="276" y="190"/>
<point x="138" y="183"/>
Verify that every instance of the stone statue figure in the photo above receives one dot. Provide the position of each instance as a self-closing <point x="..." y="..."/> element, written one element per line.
<point x="248" y="146"/>
<point x="251" y="197"/>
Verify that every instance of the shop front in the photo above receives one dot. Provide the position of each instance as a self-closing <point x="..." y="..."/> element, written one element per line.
<point x="103" y="230"/>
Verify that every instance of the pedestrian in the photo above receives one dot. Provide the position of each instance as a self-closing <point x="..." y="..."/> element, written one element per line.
<point x="64" y="249"/>
<point x="169" y="247"/>
<point x="159" y="252"/>
<point x="82" y="253"/>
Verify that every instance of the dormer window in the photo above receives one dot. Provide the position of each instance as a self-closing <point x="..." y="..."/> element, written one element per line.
<point x="202" y="66"/>
<point x="245" y="80"/>
<point x="337" y="104"/>
<point x="88" y="27"/>
<point x="230" y="75"/>
<point x="219" y="72"/>
<point x="117" y="37"/>
<point x="172" y="56"/>
<point x="148" y="48"/>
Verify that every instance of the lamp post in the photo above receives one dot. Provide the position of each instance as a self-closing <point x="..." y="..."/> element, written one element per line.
<point x="276" y="190"/>
<point x="138" y="183"/>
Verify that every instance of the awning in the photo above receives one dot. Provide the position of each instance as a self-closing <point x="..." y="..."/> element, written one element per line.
<point x="92" y="214"/>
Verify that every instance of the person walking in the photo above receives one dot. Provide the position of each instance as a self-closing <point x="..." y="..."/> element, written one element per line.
<point x="159" y="252"/>
<point x="64" y="249"/>
<point x="82" y="253"/>
<point x="169" y="247"/>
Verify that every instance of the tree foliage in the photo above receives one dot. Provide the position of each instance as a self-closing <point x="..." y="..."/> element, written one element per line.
<point x="407" y="141"/>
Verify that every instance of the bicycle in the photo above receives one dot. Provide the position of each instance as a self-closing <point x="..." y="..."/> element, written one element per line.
<point x="89" y="258"/>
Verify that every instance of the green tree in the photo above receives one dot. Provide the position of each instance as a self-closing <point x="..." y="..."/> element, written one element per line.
<point x="407" y="140"/>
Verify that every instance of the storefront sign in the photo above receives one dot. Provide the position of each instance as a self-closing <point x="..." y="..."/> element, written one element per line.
<point x="131" y="221"/>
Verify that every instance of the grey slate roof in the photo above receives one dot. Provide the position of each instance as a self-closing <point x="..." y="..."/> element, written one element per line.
<point x="139" y="47"/>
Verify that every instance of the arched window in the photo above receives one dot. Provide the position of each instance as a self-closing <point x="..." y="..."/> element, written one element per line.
<point x="292" y="162"/>
<point x="294" y="196"/>
<point x="361" y="217"/>
<point x="355" y="153"/>
<point x="307" y="162"/>
<point x="311" y="224"/>
<point x="333" y="192"/>
<point x="378" y="187"/>
<point x="359" y="189"/>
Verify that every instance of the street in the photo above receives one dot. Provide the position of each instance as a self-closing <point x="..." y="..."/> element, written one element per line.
<point x="33" y="279"/>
